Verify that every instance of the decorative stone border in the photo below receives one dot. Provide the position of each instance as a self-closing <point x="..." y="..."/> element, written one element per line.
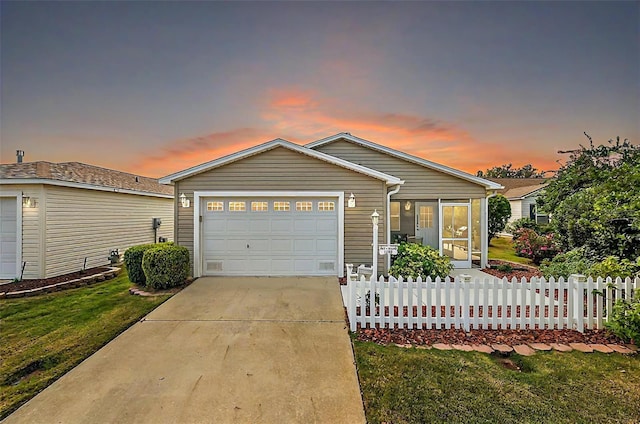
<point x="528" y="349"/>
<point x="78" y="282"/>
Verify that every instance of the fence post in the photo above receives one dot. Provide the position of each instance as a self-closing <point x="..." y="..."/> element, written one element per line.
<point x="576" y="282"/>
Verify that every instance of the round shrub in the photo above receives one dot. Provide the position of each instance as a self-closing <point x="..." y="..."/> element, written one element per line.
<point x="574" y="261"/>
<point x="166" y="266"/>
<point x="133" y="262"/>
<point x="415" y="260"/>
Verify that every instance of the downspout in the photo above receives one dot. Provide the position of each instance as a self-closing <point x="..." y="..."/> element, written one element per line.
<point x="387" y="219"/>
<point x="485" y="239"/>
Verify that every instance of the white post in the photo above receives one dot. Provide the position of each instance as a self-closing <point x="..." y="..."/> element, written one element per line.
<point x="374" y="219"/>
<point x="577" y="283"/>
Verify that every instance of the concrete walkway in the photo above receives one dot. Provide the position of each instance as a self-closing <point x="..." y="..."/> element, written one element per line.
<point x="224" y="350"/>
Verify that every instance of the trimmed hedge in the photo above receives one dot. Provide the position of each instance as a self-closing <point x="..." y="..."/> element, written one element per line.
<point x="165" y="266"/>
<point x="133" y="261"/>
<point x="415" y="260"/>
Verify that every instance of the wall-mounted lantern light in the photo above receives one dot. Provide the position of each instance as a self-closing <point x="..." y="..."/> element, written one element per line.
<point x="407" y="205"/>
<point x="184" y="202"/>
<point x="352" y="201"/>
<point x="29" y="202"/>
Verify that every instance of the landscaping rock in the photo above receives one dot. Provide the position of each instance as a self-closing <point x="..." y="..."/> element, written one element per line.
<point x="601" y="348"/>
<point x="442" y="346"/>
<point x="482" y="348"/>
<point x="465" y="348"/>
<point x="502" y="348"/>
<point x="524" y="350"/>
<point x="621" y="349"/>
<point x="540" y="346"/>
<point x="581" y="347"/>
<point x="561" y="347"/>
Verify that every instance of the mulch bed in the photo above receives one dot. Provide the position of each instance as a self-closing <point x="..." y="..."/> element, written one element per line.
<point x="519" y="270"/>
<point x="486" y="337"/>
<point x="43" y="282"/>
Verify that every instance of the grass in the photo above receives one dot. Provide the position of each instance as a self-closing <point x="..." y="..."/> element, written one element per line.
<point x="44" y="337"/>
<point x="423" y="386"/>
<point x="501" y="248"/>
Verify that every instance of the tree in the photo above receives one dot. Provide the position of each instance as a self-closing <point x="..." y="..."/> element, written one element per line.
<point x="507" y="171"/>
<point x="499" y="214"/>
<point x="594" y="202"/>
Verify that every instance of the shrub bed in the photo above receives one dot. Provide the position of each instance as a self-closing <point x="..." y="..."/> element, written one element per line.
<point x="133" y="261"/>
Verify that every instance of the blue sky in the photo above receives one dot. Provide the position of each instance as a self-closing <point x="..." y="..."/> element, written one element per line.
<point x="155" y="87"/>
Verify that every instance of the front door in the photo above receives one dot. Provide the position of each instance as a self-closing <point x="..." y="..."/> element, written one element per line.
<point x="426" y="219"/>
<point x="456" y="237"/>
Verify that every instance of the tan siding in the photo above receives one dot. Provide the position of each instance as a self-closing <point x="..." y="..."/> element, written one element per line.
<point x="88" y="223"/>
<point x="283" y="170"/>
<point x="420" y="182"/>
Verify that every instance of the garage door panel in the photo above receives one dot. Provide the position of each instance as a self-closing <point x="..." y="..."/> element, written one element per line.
<point x="293" y="242"/>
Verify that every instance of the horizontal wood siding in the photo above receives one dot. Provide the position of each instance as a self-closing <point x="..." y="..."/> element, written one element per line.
<point x="88" y="223"/>
<point x="420" y="182"/>
<point x="281" y="169"/>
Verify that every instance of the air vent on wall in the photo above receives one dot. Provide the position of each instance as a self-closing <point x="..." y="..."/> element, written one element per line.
<point x="214" y="265"/>
<point x="327" y="266"/>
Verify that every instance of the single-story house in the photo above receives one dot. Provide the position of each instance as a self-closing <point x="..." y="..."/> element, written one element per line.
<point x="522" y="194"/>
<point x="284" y="209"/>
<point x="59" y="218"/>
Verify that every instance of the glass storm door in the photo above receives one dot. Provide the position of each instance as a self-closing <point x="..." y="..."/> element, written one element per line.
<point x="456" y="237"/>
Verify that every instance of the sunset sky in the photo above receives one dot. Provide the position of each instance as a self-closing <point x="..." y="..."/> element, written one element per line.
<point x="155" y="87"/>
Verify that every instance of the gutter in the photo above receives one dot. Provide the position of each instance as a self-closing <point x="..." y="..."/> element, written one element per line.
<point x="388" y="219"/>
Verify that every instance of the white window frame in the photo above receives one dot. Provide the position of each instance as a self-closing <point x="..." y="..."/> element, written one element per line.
<point x="260" y="206"/>
<point x="304" y="206"/>
<point x="197" y="222"/>
<point x="280" y="208"/>
<point x="326" y="208"/>
<point x="215" y="208"/>
<point x="392" y="215"/>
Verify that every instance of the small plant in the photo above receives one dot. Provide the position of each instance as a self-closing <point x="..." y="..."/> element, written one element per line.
<point x="505" y="268"/>
<point x="376" y="299"/>
<point x="521" y="223"/>
<point x="416" y="260"/>
<point x="529" y="244"/>
<point x="613" y="267"/>
<point x="564" y="264"/>
<point x="165" y="266"/>
<point x="625" y="319"/>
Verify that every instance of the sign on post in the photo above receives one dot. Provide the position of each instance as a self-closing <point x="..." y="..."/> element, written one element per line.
<point x="385" y="249"/>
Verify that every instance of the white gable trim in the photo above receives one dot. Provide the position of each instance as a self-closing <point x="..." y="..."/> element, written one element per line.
<point x="489" y="185"/>
<point x="170" y="179"/>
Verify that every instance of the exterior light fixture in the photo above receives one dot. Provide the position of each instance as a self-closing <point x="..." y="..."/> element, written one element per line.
<point x="407" y="205"/>
<point x="29" y="202"/>
<point x="375" y="216"/>
<point x="352" y="201"/>
<point x="184" y="202"/>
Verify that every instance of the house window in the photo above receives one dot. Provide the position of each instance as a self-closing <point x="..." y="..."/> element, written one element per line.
<point x="237" y="206"/>
<point x="326" y="206"/>
<point x="259" y="206"/>
<point x="215" y="206"/>
<point x="395" y="216"/>
<point x="304" y="206"/>
<point x="281" y="206"/>
<point x="425" y="217"/>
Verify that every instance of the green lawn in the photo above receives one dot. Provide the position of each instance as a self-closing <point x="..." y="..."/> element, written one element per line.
<point x="501" y="248"/>
<point x="423" y="386"/>
<point x="44" y="337"/>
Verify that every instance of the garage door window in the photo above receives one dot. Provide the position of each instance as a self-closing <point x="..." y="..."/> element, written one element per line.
<point x="281" y="206"/>
<point x="259" y="206"/>
<point x="326" y="206"/>
<point x="237" y="206"/>
<point x="215" y="206"/>
<point x="304" y="206"/>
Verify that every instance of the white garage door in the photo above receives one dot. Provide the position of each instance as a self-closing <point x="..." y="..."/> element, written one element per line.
<point x="8" y="241"/>
<point x="270" y="236"/>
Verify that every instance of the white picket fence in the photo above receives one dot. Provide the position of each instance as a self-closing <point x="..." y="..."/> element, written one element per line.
<point x="488" y="303"/>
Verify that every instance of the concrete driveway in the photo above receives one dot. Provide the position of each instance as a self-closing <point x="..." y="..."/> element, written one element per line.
<point x="223" y="350"/>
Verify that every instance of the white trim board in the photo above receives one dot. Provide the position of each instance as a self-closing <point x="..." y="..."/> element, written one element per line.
<point x="18" y="196"/>
<point x="46" y="181"/>
<point x="197" y="223"/>
<point x="490" y="185"/>
<point x="170" y="179"/>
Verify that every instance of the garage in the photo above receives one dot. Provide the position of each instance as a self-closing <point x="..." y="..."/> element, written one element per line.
<point x="271" y="235"/>
<point x="8" y="237"/>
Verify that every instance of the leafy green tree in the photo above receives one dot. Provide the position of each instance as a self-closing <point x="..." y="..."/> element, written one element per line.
<point x="499" y="214"/>
<point x="594" y="202"/>
<point x="507" y="171"/>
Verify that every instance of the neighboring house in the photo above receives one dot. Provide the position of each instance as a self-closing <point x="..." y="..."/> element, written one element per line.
<point x="522" y="194"/>
<point x="284" y="209"/>
<point x="54" y="215"/>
